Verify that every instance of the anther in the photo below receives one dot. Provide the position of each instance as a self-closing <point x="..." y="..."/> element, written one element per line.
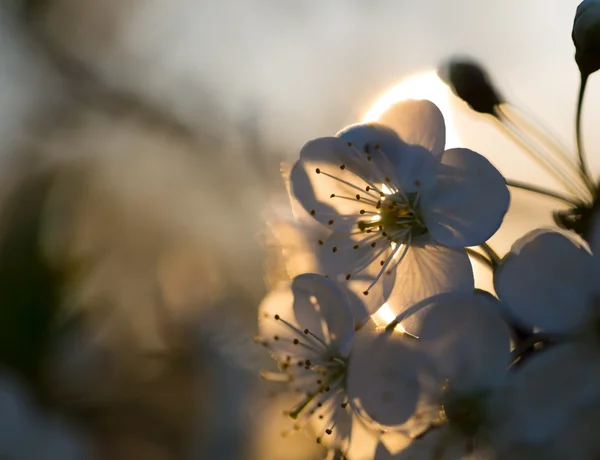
<point x="321" y="242"/>
<point x="357" y="196"/>
<point x="348" y="276"/>
<point x="330" y="222"/>
<point x="306" y="331"/>
<point x="328" y="431"/>
<point x="342" y="167"/>
<point x="366" y="293"/>
<point x="318" y="440"/>
<point x="332" y="195"/>
<point x="296" y="341"/>
<point x="373" y="244"/>
<point x="369" y="158"/>
<point x="382" y="263"/>
<point x="387" y="179"/>
<point x="334" y="249"/>
<point x="367" y="148"/>
<point x="362" y="211"/>
<point x="378" y="205"/>
<point x="319" y="404"/>
<point x="349" y="144"/>
<point x="312" y="212"/>
<point x="318" y="171"/>
<point x="356" y="246"/>
<point x="367" y="188"/>
<point x="276" y="317"/>
<point x="275" y="337"/>
<point x="377" y="146"/>
<point x="344" y="405"/>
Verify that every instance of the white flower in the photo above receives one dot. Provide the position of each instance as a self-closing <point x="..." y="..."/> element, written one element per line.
<point x="586" y="36"/>
<point x="550" y="280"/>
<point x="394" y="195"/>
<point x="308" y="329"/>
<point x="444" y="389"/>
<point x="293" y="243"/>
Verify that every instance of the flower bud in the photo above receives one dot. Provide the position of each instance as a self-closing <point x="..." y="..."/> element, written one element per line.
<point x="470" y="82"/>
<point x="586" y="36"/>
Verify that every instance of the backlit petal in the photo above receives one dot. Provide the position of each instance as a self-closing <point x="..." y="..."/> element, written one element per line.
<point x="546" y="280"/>
<point x="468" y="202"/>
<point x="417" y="122"/>
<point x="427" y="270"/>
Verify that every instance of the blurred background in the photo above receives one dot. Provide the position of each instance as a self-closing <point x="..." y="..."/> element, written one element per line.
<point x="140" y="151"/>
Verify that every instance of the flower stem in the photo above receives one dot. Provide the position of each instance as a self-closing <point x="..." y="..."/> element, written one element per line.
<point x="493" y="255"/>
<point x="480" y="257"/>
<point x="548" y="163"/>
<point x="523" y="348"/>
<point x="580" y="149"/>
<point x="541" y="191"/>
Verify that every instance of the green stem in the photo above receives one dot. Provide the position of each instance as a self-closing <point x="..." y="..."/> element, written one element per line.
<point x="493" y="255"/>
<point x="541" y="191"/>
<point x="580" y="150"/>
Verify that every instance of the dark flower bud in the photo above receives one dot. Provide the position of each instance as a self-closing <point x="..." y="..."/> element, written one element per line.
<point x="586" y="36"/>
<point x="469" y="81"/>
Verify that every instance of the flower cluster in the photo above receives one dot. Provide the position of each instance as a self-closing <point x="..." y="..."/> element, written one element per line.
<point x="390" y="217"/>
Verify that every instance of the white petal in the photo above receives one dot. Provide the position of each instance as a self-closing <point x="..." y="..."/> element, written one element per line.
<point x="413" y="165"/>
<point x="384" y="377"/>
<point x="367" y="136"/>
<point x="427" y="270"/>
<point x="322" y="308"/>
<point x="417" y="122"/>
<point x="550" y="388"/>
<point x="383" y="454"/>
<point x="468" y="202"/>
<point x="338" y="259"/>
<point x="275" y="334"/>
<point x="545" y="280"/>
<point x="336" y="419"/>
<point x="468" y="339"/>
<point x="439" y="444"/>
<point x="330" y="181"/>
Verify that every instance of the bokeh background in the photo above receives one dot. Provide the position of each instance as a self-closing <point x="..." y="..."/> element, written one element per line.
<point x="140" y="151"/>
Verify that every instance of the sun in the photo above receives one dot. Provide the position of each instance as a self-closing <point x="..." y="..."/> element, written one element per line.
<point x="425" y="85"/>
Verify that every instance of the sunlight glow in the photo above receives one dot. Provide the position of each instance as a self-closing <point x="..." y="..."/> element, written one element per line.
<point x="422" y="86"/>
<point x="384" y="316"/>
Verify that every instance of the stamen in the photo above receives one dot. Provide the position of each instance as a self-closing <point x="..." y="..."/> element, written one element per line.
<point x="298" y="331"/>
<point x="345" y="182"/>
<point x="275" y="376"/>
<point x="389" y="260"/>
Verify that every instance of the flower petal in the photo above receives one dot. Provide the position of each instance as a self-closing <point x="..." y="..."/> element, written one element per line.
<point x="322" y="308"/>
<point x="468" y="340"/>
<point x="413" y="166"/>
<point x="383" y="377"/>
<point x="550" y="388"/>
<point x="339" y="258"/>
<point x="429" y="269"/>
<point x="334" y="181"/>
<point x="417" y="122"/>
<point x="468" y="202"/>
<point x="277" y="326"/>
<point x="546" y="280"/>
